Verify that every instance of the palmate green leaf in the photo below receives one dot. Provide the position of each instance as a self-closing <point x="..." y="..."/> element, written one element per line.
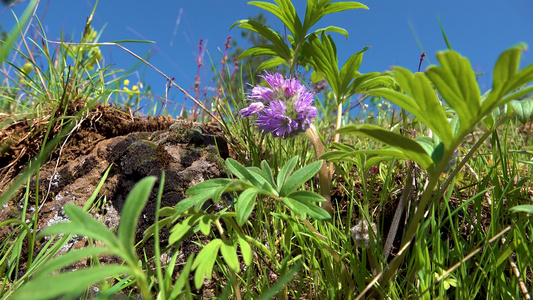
<point x="420" y="100"/>
<point x="229" y="253"/>
<point x="246" y="251"/>
<point x="196" y="200"/>
<point x="285" y="12"/>
<point x="235" y="185"/>
<point x="349" y="69"/>
<point x="181" y="229"/>
<point x="505" y="71"/>
<point x="456" y="82"/>
<point x="286" y="170"/>
<point x="245" y="205"/>
<point x="204" y="262"/>
<point x="211" y="184"/>
<point x="299" y="177"/>
<point x="244" y="174"/>
<point x="523" y="109"/>
<point x="259" y="50"/>
<point x="304" y="196"/>
<point x="330" y="29"/>
<point x="410" y="148"/>
<point x="271" y="63"/>
<point x="304" y="208"/>
<point x="133" y="207"/>
<point x="324" y="60"/>
<point x="277" y="41"/>
<point x="71" y="283"/>
<point x="82" y="224"/>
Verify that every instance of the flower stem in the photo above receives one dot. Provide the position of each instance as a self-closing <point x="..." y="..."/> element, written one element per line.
<point x="323" y="173"/>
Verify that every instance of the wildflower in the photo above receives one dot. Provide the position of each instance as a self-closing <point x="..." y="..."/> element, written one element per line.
<point x="284" y="108"/>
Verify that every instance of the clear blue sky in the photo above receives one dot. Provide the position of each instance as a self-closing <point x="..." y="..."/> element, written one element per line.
<point x="480" y="30"/>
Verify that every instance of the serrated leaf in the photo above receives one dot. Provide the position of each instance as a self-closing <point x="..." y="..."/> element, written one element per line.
<point x="410" y="148"/>
<point x="229" y="253"/>
<point x="245" y="205"/>
<point x="306" y="196"/>
<point x="300" y="177"/>
<point x="286" y="171"/>
<point x="523" y="109"/>
<point x="50" y="287"/>
<point x="246" y="250"/>
<point x="204" y="262"/>
<point x="133" y="207"/>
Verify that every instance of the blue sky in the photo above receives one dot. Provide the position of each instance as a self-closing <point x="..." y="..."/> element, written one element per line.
<point x="479" y="30"/>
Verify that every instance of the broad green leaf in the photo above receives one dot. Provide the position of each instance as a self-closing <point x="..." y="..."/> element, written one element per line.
<point x="246" y="250"/>
<point x="271" y="63"/>
<point x="133" y="207"/>
<point x="411" y="149"/>
<point x="523" y="109"/>
<point x="185" y="204"/>
<point x="331" y="29"/>
<point x="208" y="184"/>
<point x="349" y="69"/>
<point x="229" y="253"/>
<point x="259" y="50"/>
<point x="306" y="208"/>
<point x="235" y="185"/>
<point x="421" y="100"/>
<point x="205" y="224"/>
<point x="304" y="196"/>
<point x="505" y="71"/>
<point x="267" y="173"/>
<point x="243" y="174"/>
<point x="285" y="12"/>
<point x="366" y="82"/>
<point x="300" y="177"/>
<point x="286" y="170"/>
<point x="83" y="225"/>
<point x="181" y="229"/>
<point x="279" y="45"/>
<point x="204" y="262"/>
<point x="372" y="161"/>
<point x="456" y="82"/>
<point x="149" y="232"/>
<point x="342" y="6"/>
<point x="245" y="205"/>
<point x="68" y="259"/>
<point x="72" y="283"/>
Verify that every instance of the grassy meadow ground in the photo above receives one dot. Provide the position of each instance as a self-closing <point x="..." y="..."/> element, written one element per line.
<point x="420" y="207"/>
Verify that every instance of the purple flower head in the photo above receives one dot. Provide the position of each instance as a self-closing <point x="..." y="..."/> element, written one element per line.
<point x="284" y="108"/>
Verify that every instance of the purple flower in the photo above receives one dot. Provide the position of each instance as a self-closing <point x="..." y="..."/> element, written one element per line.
<point x="284" y="108"/>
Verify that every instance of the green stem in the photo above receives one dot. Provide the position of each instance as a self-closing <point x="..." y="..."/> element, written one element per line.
<point x="323" y="173"/>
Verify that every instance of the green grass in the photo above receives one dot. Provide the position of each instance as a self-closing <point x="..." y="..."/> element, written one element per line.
<point x="470" y="244"/>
